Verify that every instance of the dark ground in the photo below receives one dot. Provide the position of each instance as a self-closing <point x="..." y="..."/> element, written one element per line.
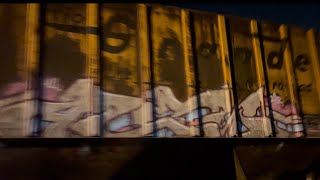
<point x="159" y="158"/>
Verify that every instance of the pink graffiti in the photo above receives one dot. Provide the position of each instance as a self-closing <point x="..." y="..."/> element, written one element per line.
<point x="13" y="89"/>
<point x="50" y="94"/>
<point x="277" y="105"/>
<point x="296" y="135"/>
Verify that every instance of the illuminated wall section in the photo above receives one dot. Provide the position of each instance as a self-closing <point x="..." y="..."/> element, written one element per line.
<point x="121" y="70"/>
<point x="176" y="113"/>
<point x="249" y="89"/>
<point x="17" y="38"/>
<point x="92" y="121"/>
<point x="280" y="74"/>
<point x="213" y="74"/>
<point x="306" y="80"/>
<point x="66" y="87"/>
<point x="147" y="124"/>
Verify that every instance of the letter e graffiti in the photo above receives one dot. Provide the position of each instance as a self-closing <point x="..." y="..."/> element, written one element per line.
<point x="123" y="36"/>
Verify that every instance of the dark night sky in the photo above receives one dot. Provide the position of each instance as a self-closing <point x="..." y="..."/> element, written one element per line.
<point x="301" y="14"/>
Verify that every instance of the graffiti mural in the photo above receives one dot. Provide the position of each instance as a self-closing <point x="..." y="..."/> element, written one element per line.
<point x="210" y="69"/>
<point x="208" y="52"/>
<point x="308" y="73"/>
<point x="121" y="75"/>
<point x="63" y="101"/>
<point x="274" y="49"/>
<point x="15" y="89"/>
<point x="152" y="71"/>
<point x="304" y="73"/>
<point x="174" y="118"/>
<point x="172" y="67"/>
<point x="245" y="67"/>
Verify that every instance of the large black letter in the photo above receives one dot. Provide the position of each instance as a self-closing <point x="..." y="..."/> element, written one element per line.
<point x="125" y="37"/>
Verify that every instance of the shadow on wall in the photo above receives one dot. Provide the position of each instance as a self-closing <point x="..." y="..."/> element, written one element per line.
<point x="64" y="60"/>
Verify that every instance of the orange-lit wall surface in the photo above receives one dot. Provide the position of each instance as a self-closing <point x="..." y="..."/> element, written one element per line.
<point x="137" y="70"/>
